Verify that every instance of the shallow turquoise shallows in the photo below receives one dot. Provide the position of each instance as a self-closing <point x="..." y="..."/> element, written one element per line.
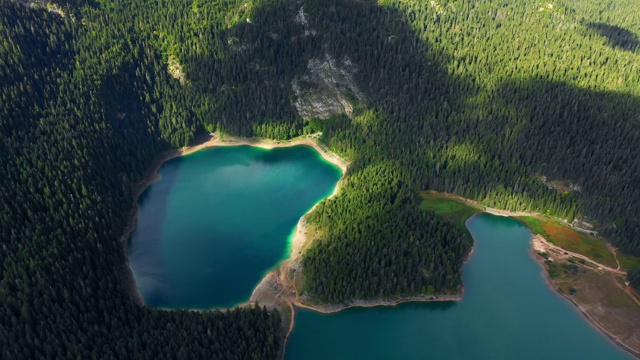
<point x="219" y="219"/>
<point x="508" y="312"/>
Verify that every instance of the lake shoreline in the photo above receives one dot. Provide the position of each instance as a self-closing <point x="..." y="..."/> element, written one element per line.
<point x="286" y="299"/>
<point x="332" y="309"/>
<point x="286" y="308"/>
<point x="515" y="215"/>
<point x="278" y="287"/>
<point x="534" y="252"/>
<point x="592" y="321"/>
<point x="280" y="280"/>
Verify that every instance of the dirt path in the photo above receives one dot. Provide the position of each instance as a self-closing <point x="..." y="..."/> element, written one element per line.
<point x="479" y="206"/>
<point x="629" y="292"/>
<point x="568" y="254"/>
<point x="615" y="255"/>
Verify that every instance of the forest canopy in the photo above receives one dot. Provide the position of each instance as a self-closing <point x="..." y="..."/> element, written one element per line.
<point x="522" y="106"/>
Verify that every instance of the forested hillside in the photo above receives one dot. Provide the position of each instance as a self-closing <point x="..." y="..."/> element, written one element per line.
<point x="83" y="112"/>
<point x="520" y="105"/>
<point x="516" y="106"/>
<point x="392" y="248"/>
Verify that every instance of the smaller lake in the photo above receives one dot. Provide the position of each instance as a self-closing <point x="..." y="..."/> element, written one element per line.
<point x="508" y="312"/>
<point x="219" y="219"/>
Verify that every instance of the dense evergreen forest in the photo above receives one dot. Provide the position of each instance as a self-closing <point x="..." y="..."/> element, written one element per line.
<point x="388" y="247"/>
<point x="520" y="105"/>
<point x="634" y="278"/>
<point x="84" y="112"/>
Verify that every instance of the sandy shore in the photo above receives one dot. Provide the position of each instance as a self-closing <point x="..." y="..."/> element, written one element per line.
<point x="506" y="213"/>
<point x="214" y="141"/>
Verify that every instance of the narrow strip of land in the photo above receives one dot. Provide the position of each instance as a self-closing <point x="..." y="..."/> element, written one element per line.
<point x="598" y="292"/>
<point x="580" y="266"/>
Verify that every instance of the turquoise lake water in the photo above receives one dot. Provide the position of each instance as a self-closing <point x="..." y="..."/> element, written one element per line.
<point x="219" y="219"/>
<point x="507" y="312"/>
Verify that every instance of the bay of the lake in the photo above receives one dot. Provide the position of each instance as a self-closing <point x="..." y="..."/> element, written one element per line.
<point x="508" y="312"/>
<point x="219" y="219"/>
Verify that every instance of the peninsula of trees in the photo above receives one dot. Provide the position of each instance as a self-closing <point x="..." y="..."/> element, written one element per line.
<point x="522" y="106"/>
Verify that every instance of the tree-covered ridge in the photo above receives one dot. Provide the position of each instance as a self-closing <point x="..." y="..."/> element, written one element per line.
<point x="82" y="117"/>
<point x="495" y="143"/>
<point x="387" y="248"/>
<point x="516" y="104"/>
<point x="501" y="132"/>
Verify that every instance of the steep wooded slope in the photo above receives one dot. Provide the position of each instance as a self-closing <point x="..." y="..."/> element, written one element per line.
<point x="521" y="106"/>
<point x="80" y="123"/>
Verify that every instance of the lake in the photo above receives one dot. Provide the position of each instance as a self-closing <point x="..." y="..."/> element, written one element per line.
<point x="219" y="219"/>
<point x="508" y="312"/>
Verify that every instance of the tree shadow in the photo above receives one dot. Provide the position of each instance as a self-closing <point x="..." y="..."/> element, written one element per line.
<point x="252" y="81"/>
<point x="617" y="37"/>
<point x="420" y="110"/>
<point x="584" y="136"/>
<point x="144" y="242"/>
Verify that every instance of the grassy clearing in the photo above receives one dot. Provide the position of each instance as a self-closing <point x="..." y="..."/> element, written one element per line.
<point x="628" y="262"/>
<point x="564" y="274"/>
<point x="565" y="237"/>
<point x="608" y="305"/>
<point x="598" y="287"/>
<point x="451" y="210"/>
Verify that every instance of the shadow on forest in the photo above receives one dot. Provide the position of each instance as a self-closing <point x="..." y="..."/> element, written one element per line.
<point x="587" y="137"/>
<point x="616" y="36"/>
<point x="144" y="251"/>
<point x="422" y="109"/>
<point x="397" y="72"/>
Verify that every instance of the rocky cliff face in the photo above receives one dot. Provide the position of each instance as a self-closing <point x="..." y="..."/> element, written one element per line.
<point x="51" y="7"/>
<point x="327" y="88"/>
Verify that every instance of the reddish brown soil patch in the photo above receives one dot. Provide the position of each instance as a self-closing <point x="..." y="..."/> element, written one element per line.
<point x="562" y="233"/>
